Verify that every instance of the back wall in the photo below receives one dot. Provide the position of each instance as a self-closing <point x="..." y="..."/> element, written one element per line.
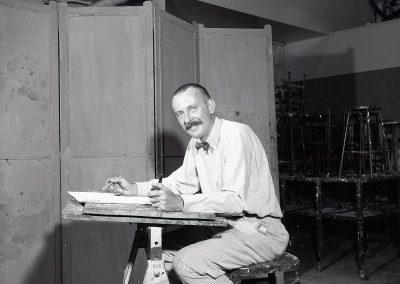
<point x="359" y="66"/>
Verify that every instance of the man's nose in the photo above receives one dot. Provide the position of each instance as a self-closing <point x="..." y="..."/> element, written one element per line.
<point x="187" y="117"/>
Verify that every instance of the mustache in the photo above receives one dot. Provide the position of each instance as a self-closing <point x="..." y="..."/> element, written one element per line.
<point x="192" y="123"/>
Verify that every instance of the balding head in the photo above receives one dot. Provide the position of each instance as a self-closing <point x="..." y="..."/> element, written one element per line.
<point x="199" y="89"/>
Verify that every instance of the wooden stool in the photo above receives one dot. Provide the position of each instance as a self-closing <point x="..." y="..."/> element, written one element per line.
<point x="273" y="270"/>
<point x="365" y="146"/>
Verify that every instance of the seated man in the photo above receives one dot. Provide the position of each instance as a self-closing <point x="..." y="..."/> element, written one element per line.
<point x="225" y="171"/>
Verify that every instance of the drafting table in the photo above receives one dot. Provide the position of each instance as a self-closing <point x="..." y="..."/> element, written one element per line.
<point x="150" y="223"/>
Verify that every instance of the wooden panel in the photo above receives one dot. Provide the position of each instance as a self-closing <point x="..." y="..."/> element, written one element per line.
<point x="90" y="174"/>
<point x="107" y="83"/>
<point x="107" y="126"/>
<point x="107" y="113"/>
<point x="27" y="222"/>
<point x="237" y="69"/>
<point x="29" y="164"/>
<point x="25" y="124"/>
<point x="176" y="61"/>
<point x="28" y="185"/>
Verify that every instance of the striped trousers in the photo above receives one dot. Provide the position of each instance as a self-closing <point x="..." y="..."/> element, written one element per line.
<point x="201" y="255"/>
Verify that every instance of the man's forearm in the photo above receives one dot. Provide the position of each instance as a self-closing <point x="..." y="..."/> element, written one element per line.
<point x="133" y="190"/>
<point x="225" y="202"/>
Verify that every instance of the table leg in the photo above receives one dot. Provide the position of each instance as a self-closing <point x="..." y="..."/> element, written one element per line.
<point x="155" y="272"/>
<point x="318" y="220"/>
<point x="138" y="242"/>
<point x="360" y="230"/>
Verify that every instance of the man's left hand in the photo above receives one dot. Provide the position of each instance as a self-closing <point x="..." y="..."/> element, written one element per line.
<point x="164" y="199"/>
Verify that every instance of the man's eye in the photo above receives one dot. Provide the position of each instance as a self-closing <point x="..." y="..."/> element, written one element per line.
<point x="179" y="115"/>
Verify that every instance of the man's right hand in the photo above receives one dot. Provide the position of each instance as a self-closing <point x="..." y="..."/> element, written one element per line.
<point x="120" y="186"/>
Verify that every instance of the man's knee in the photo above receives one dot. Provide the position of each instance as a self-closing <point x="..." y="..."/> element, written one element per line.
<point x="194" y="263"/>
<point x="190" y="264"/>
<point x="181" y="262"/>
<point x="192" y="269"/>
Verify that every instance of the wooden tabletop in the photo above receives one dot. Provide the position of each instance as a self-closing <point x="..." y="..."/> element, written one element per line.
<point x="137" y="213"/>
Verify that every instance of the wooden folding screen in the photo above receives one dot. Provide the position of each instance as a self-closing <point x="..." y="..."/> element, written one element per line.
<point x="29" y="147"/>
<point x="112" y="103"/>
<point x="107" y="126"/>
<point x="234" y="64"/>
<point x="236" y="68"/>
<point x="176" y="64"/>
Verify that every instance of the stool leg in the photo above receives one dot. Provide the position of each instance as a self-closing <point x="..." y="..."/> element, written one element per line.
<point x="388" y="161"/>
<point x="369" y="142"/>
<point x="344" y="144"/>
<point x="297" y="278"/>
<point x="303" y="146"/>
<point x="360" y="232"/>
<point x="318" y="223"/>
<point x="291" y="145"/>
<point x="279" y="276"/>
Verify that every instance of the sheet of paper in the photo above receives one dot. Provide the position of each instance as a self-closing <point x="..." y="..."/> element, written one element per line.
<point x="107" y="197"/>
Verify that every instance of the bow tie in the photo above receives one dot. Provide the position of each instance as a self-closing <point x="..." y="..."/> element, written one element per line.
<point x="203" y="145"/>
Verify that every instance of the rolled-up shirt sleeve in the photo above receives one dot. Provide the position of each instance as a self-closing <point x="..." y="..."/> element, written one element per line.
<point x="184" y="180"/>
<point x="225" y="203"/>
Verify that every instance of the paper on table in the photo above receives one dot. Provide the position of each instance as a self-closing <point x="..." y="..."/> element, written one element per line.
<point x="107" y="197"/>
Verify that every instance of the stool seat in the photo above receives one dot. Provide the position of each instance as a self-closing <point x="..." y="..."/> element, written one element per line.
<point x="268" y="269"/>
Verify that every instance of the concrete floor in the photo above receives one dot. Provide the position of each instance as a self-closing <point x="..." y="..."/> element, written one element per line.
<point x="339" y="265"/>
<point x="382" y="266"/>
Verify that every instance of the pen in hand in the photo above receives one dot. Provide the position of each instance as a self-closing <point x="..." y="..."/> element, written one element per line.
<point x="110" y="183"/>
<point x="159" y="181"/>
<point x="107" y="185"/>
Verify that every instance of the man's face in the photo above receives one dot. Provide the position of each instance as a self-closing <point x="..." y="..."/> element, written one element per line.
<point x="194" y="113"/>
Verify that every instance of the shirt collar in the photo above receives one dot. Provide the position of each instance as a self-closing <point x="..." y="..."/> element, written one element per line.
<point x="213" y="138"/>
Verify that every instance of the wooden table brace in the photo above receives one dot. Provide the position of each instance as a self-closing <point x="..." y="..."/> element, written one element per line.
<point x="152" y="242"/>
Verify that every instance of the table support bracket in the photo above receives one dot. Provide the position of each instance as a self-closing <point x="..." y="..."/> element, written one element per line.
<point x="152" y="242"/>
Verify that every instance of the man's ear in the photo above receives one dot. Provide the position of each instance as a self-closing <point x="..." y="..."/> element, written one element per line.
<point x="211" y="106"/>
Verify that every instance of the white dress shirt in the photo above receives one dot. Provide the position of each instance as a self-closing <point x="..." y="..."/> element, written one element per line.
<point x="231" y="178"/>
